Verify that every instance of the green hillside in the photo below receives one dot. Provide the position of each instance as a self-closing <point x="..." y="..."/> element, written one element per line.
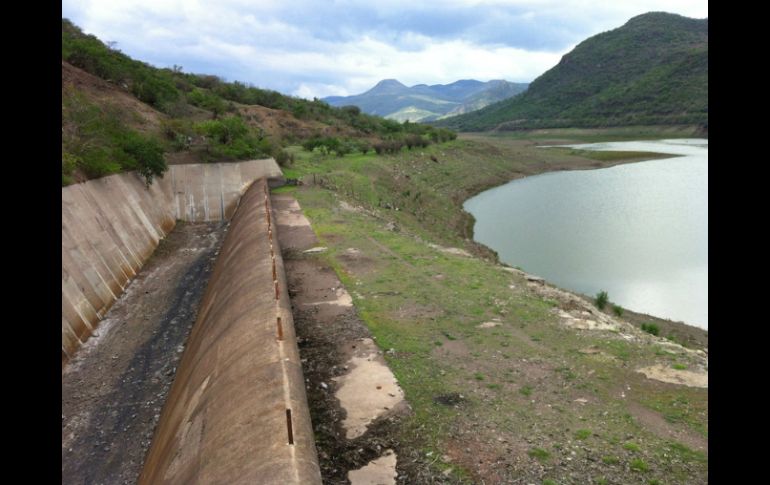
<point x="121" y="114"/>
<point x="651" y="71"/>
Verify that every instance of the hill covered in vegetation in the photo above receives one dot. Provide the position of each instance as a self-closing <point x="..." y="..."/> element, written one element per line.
<point x="651" y="71"/>
<point x="122" y="114"/>
<point x="393" y="100"/>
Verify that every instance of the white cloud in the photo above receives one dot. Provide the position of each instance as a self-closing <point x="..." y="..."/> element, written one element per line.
<point x="311" y="48"/>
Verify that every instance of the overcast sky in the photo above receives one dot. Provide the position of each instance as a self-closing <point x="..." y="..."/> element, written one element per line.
<point x="320" y="48"/>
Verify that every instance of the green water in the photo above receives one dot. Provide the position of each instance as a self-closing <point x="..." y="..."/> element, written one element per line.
<point x="638" y="231"/>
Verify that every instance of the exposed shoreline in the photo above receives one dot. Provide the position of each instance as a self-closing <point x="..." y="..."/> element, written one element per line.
<point x="681" y="332"/>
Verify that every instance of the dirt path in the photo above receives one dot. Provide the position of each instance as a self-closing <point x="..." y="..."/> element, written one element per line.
<point x="114" y="388"/>
<point x="347" y="380"/>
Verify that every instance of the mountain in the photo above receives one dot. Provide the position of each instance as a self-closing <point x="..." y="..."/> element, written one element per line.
<point x="651" y="71"/>
<point x="391" y="99"/>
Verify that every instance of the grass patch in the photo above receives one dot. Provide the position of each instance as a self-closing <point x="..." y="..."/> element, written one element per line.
<point x="526" y="390"/>
<point x="539" y="454"/>
<point x="639" y="465"/>
<point x="582" y="434"/>
<point x="687" y="406"/>
<point x="631" y="446"/>
<point x="686" y="454"/>
<point x="610" y="460"/>
<point x="449" y="336"/>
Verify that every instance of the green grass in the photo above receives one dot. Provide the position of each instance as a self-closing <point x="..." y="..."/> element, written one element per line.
<point x="539" y="454"/>
<point x="639" y="465"/>
<point x="686" y="454"/>
<point x="582" y="434"/>
<point x="432" y="322"/>
<point x="631" y="446"/>
<point x="686" y="406"/>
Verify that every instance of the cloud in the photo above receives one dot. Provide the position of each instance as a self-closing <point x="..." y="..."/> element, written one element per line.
<point x="314" y="48"/>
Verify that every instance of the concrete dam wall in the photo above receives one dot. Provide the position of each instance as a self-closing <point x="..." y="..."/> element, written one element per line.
<point x="237" y="411"/>
<point x="111" y="226"/>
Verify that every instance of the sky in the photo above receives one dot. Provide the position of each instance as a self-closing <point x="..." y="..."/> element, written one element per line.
<point x="317" y="48"/>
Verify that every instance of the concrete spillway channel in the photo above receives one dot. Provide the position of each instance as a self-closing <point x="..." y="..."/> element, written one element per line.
<point x="237" y="410"/>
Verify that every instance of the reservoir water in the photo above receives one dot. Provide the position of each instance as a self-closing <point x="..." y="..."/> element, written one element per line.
<point x="638" y="231"/>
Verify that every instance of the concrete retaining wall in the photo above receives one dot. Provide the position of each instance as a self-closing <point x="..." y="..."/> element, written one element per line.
<point x="111" y="226"/>
<point x="237" y="411"/>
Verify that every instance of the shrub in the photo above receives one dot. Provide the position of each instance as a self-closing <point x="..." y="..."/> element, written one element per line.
<point x="207" y="101"/>
<point x="617" y="310"/>
<point x="178" y="132"/>
<point x="147" y="155"/>
<point x="154" y="89"/>
<point x="283" y="158"/>
<point x="230" y="138"/>
<point x="601" y="300"/>
<point x="651" y="328"/>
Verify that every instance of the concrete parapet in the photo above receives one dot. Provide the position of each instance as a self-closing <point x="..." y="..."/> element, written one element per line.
<point x="237" y="411"/>
<point x="111" y="226"/>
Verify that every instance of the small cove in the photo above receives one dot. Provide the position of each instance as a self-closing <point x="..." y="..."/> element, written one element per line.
<point x="638" y="231"/>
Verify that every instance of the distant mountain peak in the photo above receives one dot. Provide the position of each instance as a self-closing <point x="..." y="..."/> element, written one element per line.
<point x="392" y="99"/>
<point x="387" y="86"/>
<point x="389" y="82"/>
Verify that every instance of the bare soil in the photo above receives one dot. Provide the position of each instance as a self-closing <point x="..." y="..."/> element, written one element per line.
<point x="328" y="336"/>
<point x="115" y="386"/>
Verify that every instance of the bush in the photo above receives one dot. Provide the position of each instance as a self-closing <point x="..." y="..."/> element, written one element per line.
<point x="154" y="89"/>
<point x="147" y="155"/>
<point x="617" y="310"/>
<point x="601" y="300"/>
<point x="283" y="158"/>
<point x="178" y="132"/>
<point x="651" y="328"/>
<point x="208" y="101"/>
<point x="97" y="141"/>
